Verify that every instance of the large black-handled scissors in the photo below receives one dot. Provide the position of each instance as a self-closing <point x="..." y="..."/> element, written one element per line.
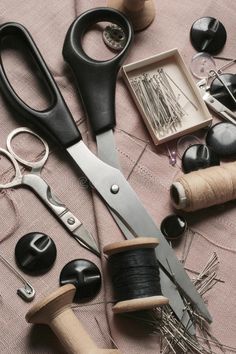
<point x="98" y="84"/>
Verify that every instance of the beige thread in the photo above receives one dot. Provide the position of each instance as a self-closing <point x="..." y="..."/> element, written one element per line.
<point x="211" y="186"/>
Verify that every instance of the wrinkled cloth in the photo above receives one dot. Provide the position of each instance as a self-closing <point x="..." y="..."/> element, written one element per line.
<point x="145" y="166"/>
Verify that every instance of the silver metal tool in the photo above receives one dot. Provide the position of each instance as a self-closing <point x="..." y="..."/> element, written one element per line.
<point x="214" y="104"/>
<point x="43" y="190"/>
<point x="27" y="293"/>
<point x="97" y="82"/>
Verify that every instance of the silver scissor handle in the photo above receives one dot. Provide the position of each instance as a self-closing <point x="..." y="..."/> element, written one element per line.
<point x="43" y="190"/>
<point x="17" y="180"/>
<point x="36" y="182"/>
<point x="35" y="165"/>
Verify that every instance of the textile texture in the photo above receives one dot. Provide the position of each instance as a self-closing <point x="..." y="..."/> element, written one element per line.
<point x="145" y="166"/>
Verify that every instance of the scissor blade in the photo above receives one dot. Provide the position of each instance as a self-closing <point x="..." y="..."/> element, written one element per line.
<point x="176" y="303"/>
<point x="126" y="205"/>
<point x="214" y="104"/>
<point x="83" y="236"/>
<point x="219" y="108"/>
<point x="106" y="151"/>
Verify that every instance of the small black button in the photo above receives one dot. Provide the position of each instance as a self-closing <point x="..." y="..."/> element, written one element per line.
<point x="173" y="226"/>
<point x="222" y="138"/>
<point x="84" y="275"/>
<point x="199" y="156"/>
<point x="35" y="253"/>
<point x="207" y="34"/>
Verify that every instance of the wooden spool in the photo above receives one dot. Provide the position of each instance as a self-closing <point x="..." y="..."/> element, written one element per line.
<point x="55" y="311"/>
<point x="141" y="303"/>
<point x="140" y="12"/>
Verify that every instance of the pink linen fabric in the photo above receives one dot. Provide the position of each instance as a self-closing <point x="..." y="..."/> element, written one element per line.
<point x="145" y="166"/>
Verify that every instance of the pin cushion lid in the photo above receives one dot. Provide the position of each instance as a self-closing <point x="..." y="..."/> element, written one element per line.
<point x="199" y="156"/>
<point x="207" y="34"/>
<point x="221" y="137"/>
<point x="35" y="253"/>
<point x="84" y="275"/>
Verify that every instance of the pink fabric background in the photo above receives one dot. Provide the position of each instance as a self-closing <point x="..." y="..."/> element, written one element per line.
<point x="146" y="167"/>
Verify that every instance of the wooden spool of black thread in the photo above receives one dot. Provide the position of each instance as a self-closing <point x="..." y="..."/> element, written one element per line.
<point x="135" y="274"/>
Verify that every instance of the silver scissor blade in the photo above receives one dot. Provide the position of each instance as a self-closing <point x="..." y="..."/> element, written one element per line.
<point x="214" y="104"/>
<point x="106" y="151"/>
<point x="126" y="205"/>
<point x="83" y="236"/>
<point x="219" y="108"/>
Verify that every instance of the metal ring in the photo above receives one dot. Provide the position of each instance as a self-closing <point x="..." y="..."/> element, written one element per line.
<point x="37" y="164"/>
<point x="17" y="179"/>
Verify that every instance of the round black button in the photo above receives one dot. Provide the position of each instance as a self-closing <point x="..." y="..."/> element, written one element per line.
<point x="173" y="226"/>
<point x="222" y="138"/>
<point x="199" y="156"/>
<point x="207" y="34"/>
<point x="218" y="90"/>
<point x="84" y="275"/>
<point x="35" y="253"/>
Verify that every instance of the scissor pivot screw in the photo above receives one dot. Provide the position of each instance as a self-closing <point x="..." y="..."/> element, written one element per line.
<point x="71" y="221"/>
<point x="114" y="188"/>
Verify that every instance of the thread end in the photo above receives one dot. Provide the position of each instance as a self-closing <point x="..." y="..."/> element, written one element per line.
<point x="178" y="196"/>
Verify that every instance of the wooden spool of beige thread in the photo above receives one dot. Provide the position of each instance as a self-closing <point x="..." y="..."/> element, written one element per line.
<point x="140" y="12"/>
<point x="140" y="303"/>
<point x="55" y="311"/>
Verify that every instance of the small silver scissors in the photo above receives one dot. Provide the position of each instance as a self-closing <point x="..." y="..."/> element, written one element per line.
<point x="214" y="104"/>
<point x="43" y="190"/>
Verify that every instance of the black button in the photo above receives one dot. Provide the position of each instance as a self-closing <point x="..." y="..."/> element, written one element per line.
<point x="219" y="91"/>
<point x="199" y="156"/>
<point x="84" y="275"/>
<point x="222" y="138"/>
<point x="208" y="35"/>
<point x="173" y="226"/>
<point x="35" y="253"/>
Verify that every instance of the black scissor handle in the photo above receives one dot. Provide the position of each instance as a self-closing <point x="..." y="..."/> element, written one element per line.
<point x="56" y="119"/>
<point x="96" y="80"/>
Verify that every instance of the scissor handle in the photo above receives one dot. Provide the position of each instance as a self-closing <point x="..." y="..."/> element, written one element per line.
<point x="17" y="180"/>
<point x="56" y="119"/>
<point x="35" y="165"/>
<point x="96" y="80"/>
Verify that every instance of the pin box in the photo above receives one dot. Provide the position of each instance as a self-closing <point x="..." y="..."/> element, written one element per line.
<point x="186" y="95"/>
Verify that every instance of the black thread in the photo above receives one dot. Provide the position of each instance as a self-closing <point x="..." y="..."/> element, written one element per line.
<point x="135" y="274"/>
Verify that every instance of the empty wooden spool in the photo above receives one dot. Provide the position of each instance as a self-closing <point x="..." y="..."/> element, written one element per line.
<point x="140" y="12"/>
<point x="55" y="311"/>
<point x="143" y="303"/>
